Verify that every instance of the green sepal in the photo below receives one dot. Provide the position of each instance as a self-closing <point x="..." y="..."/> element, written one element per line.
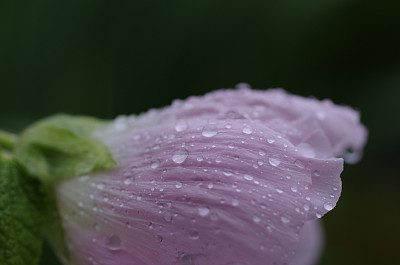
<point x="62" y="146"/>
<point x="7" y="140"/>
<point x="22" y="211"/>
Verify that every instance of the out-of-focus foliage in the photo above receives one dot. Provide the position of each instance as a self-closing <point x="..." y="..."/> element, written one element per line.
<point x="104" y="58"/>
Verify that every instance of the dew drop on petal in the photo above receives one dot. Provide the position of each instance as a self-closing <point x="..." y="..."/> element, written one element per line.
<point x="247" y="130"/>
<point x="167" y="217"/>
<point x="248" y="177"/>
<point x="285" y="219"/>
<point x="328" y="206"/>
<point x="203" y="210"/>
<point x="155" y="164"/>
<point x="194" y="235"/>
<point x="274" y="161"/>
<point x="113" y="242"/>
<point x="178" y="185"/>
<point x="235" y="202"/>
<point x="180" y="155"/>
<point x="128" y="181"/>
<point x="180" y="125"/>
<point x="256" y="219"/>
<point x="299" y="163"/>
<point x="209" y="130"/>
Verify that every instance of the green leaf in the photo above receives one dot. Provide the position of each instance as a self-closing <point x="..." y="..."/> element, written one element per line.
<point x="62" y="146"/>
<point x="21" y="215"/>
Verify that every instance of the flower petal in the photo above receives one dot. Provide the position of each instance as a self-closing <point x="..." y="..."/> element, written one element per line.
<point x="217" y="179"/>
<point x="311" y="243"/>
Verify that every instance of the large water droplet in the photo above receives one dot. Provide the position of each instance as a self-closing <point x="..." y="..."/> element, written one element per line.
<point x="180" y="155"/>
<point x="274" y="161"/>
<point x="247" y="130"/>
<point x="270" y="140"/>
<point x="155" y="164"/>
<point x="128" y="181"/>
<point x="299" y="163"/>
<point x="167" y="217"/>
<point x="113" y="242"/>
<point x="203" y="210"/>
<point x="180" y="125"/>
<point x="328" y="206"/>
<point x="248" y="177"/>
<point x="285" y="219"/>
<point x="235" y="202"/>
<point x="194" y="235"/>
<point x="209" y="130"/>
<point x="256" y="219"/>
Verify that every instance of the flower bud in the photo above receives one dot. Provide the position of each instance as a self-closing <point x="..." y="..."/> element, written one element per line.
<point x="229" y="178"/>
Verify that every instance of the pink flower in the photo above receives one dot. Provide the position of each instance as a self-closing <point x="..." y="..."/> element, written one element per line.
<point x="229" y="178"/>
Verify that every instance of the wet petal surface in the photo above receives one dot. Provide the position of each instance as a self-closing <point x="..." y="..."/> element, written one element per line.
<point x="228" y="178"/>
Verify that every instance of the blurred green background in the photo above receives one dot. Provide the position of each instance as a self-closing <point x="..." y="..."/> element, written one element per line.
<point x="105" y="58"/>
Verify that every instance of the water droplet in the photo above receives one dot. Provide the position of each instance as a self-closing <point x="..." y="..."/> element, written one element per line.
<point x="155" y="164"/>
<point x="248" y="177"/>
<point x="299" y="163"/>
<point x="194" y="235"/>
<point x="261" y="153"/>
<point x="178" y="185"/>
<point x="247" y="130"/>
<point x="318" y="215"/>
<point x="203" y="210"/>
<point x="294" y="188"/>
<point x="270" y="140"/>
<point x="285" y="219"/>
<point x="128" y="181"/>
<point x="274" y="161"/>
<point x="199" y="158"/>
<point x="209" y="130"/>
<point x="306" y="207"/>
<point x="210" y="186"/>
<point x="262" y="247"/>
<point x="167" y="217"/>
<point x="180" y="125"/>
<point x="180" y="155"/>
<point x="328" y="206"/>
<point x="316" y="173"/>
<point x="256" y="219"/>
<point x="235" y="202"/>
<point x="113" y="242"/>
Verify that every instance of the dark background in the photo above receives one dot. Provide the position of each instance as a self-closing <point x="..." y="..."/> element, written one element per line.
<point x="105" y="58"/>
